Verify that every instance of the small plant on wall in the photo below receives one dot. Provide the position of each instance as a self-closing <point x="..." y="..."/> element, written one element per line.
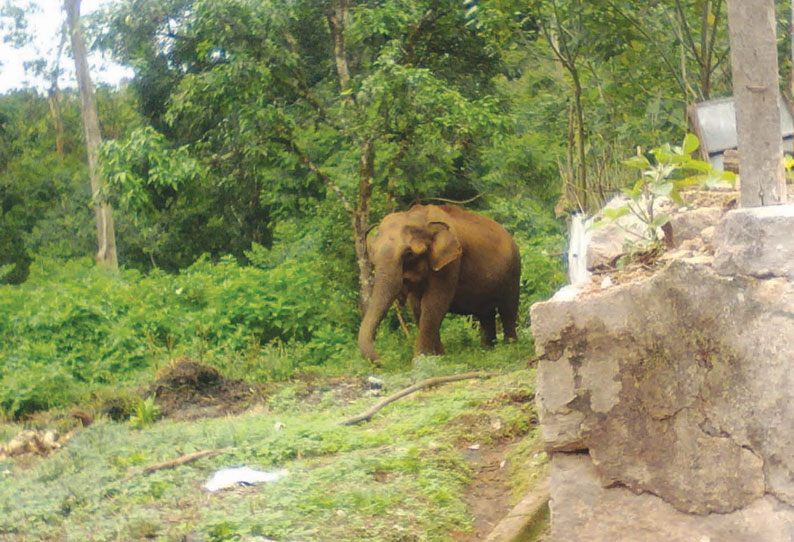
<point x="672" y="169"/>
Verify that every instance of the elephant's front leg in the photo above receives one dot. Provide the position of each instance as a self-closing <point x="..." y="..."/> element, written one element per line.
<point x="433" y="306"/>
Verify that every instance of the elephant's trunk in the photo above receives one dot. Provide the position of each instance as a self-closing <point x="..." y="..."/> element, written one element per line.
<point x="387" y="286"/>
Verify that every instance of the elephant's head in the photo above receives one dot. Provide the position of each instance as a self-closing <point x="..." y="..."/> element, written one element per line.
<point x="407" y="247"/>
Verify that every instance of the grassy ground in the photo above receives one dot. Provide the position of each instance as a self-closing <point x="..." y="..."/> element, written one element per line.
<point x="442" y="464"/>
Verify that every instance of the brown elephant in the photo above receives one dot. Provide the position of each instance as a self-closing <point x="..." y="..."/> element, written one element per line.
<point x="442" y="259"/>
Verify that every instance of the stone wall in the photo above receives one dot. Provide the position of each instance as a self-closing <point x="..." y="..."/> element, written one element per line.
<point x="667" y="404"/>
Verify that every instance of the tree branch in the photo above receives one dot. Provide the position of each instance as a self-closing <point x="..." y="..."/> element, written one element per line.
<point x="650" y="40"/>
<point x="687" y="32"/>
<point x="311" y="166"/>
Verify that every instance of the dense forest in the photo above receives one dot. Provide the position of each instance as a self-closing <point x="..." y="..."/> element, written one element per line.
<point x="260" y="140"/>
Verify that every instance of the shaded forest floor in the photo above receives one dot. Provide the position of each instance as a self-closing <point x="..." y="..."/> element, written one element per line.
<point x="445" y="463"/>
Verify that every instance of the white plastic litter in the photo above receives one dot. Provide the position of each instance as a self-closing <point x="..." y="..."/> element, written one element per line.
<point x="241" y="476"/>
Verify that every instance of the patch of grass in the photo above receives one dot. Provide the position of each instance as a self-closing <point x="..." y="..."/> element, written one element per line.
<point x="401" y="477"/>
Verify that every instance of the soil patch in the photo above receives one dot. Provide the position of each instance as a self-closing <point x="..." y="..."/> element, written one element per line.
<point x="486" y="444"/>
<point x="488" y="494"/>
<point x="188" y="390"/>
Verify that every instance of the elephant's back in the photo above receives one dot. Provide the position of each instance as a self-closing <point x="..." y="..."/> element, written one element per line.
<point x="490" y="264"/>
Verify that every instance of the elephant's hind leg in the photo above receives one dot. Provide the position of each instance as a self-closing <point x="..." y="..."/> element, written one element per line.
<point x="508" y="314"/>
<point x="488" y="327"/>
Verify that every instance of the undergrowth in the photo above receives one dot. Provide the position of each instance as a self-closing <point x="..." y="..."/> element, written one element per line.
<point x="72" y="332"/>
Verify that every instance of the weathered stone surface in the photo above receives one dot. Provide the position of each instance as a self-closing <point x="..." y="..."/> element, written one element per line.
<point x="756" y="242"/>
<point x="688" y="225"/>
<point x="679" y="386"/>
<point x="608" y="241"/>
<point x="583" y="510"/>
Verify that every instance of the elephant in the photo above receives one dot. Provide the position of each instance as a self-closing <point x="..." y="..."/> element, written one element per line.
<point x="442" y="258"/>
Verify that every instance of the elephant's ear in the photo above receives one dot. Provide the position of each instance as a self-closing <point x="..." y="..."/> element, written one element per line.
<point x="445" y="248"/>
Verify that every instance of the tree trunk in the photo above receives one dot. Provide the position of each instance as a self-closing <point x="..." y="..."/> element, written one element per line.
<point x="361" y="223"/>
<point x="580" y="140"/>
<point x="751" y="25"/>
<point x="705" y="56"/>
<point x="337" y="17"/>
<point x="103" y="213"/>
<point x="54" y="100"/>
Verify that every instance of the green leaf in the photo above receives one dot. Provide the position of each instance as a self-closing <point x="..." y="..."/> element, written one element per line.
<point x="659" y="220"/>
<point x="662" y="189"/>
<point x="691" y="143"/>
<point x="675" y="195"/>
<point x="698" y="165"/>
<point x="616" y="212"/>
<point x="729" y="176"/>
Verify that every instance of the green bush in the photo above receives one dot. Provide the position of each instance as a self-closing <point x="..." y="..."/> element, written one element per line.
<point x="72" y="327"/>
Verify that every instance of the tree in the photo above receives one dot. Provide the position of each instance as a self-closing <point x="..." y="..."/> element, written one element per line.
<point x="564" y="29"/>
<point x="629" y="71"/>
<point x="372" y="105"/>
<point x="757" y="94"/>
<point x="103" y="213"/>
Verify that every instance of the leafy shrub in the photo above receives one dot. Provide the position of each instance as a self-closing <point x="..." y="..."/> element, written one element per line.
<point x="146" y="413"/>
<point x="672" y="170"/>
<point x="71" y="327"/>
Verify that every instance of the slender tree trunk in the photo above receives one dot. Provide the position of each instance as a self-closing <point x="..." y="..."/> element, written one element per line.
<point x="54" y="99"/>
<point x="705" y="56"/>
<point x="361" y="223"/>
<point x="337" y="17"/>
<point x="580" y="140"/>
<point x="751" y="26"/>
<point x="103" y="213"/>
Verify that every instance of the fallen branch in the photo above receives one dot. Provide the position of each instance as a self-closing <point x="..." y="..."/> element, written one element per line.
<point x="183" y="460"/>
<point x="170" y="464"/>
<point x="435" y="381"/>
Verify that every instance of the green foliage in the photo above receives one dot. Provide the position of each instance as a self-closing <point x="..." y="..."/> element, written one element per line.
<point x="43" y="204"/>
<point x="672" y="170"/>
<point x="72" y="328"/>
<point x="253" y="93"/>
<point x="143" y="173"/>
<point x="146" y="413"/>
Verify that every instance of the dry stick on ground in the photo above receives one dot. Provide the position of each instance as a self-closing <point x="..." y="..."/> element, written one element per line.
<point x="181" y="460"/>
<point x="184" y="459"/>
<point x="435" y="381"/>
